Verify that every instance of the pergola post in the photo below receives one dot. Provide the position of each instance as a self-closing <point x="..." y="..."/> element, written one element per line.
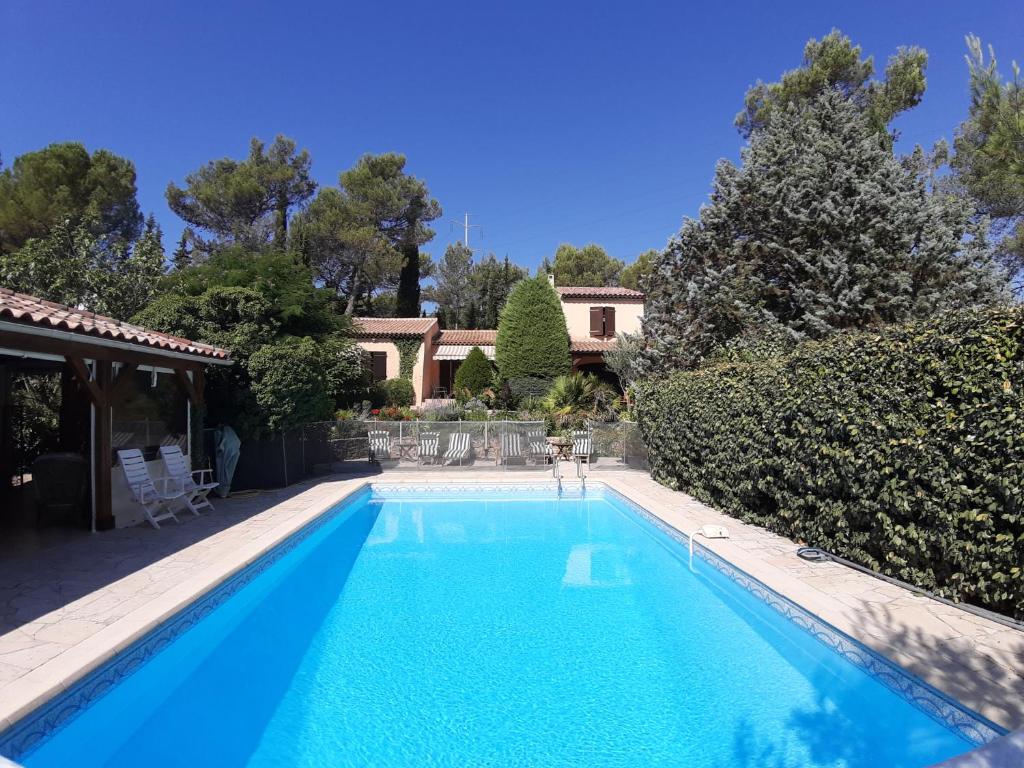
<point x="101" y="446"/>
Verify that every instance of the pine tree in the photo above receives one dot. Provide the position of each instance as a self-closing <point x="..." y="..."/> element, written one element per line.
<point x="820" y="229"/>
<point x="182" y="256"/>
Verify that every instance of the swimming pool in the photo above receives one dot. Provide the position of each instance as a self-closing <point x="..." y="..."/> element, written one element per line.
<point x="494" y="626"/>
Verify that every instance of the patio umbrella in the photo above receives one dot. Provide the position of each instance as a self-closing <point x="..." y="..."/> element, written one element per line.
<point x="228" y="448"/>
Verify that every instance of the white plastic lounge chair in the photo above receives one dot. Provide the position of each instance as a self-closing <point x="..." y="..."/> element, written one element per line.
<point x="582" y="446"/>
<point x="380" y="444"/>
<point x="511" y="446"/>
<point x="429" y="447"/>
<point x="538" y="447"/>
<point x="196" y="484"/>
<point x="458" y="447"/>
<point x="155" y="503"/>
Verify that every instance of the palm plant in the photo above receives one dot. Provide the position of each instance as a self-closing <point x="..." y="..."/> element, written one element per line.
<point x="577" y="397"/>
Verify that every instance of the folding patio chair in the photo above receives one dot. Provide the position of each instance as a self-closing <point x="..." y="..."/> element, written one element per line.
<point x="458" y="447"/>
<point x="537" y="446"/>
<point x="196" y="489"/>
<point x="582" y="445"/>
<point x="511" y="447"/>
<point x="380" y="444"/>
<point x="155" y="503"/>
<point x="429" y="447"/>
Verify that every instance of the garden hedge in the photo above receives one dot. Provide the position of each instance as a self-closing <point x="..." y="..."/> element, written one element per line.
<point x="901" y="450"/>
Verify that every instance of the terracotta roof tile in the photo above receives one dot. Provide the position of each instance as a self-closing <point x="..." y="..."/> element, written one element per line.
<point x="590" y="345"/>
<point x="594" y="292"/>
<point x="393" y="326"/>
<point x="29" y="310"/>
<point x="472" y="338"/>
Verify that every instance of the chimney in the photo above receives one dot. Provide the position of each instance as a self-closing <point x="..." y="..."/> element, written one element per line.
<point x="551" y="279"/>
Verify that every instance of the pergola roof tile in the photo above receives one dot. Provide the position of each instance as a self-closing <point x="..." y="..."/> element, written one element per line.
<point x="32" y="311"/>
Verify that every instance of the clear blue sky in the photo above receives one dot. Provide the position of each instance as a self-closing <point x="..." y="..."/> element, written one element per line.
<point x="549" y="121"/>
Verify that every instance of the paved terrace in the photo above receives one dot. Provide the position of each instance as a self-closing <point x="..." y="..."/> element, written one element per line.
<point x="68" y="605"/>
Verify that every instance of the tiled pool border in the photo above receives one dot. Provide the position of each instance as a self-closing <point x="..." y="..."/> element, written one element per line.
<point x="968" y="724"/>
<point x="22" y="737"/>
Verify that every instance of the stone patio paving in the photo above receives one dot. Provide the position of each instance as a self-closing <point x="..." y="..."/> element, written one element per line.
<point x="68" y="605"/>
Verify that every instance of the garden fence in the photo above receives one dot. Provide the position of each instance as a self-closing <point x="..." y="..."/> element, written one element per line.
<point x="354" y="446"/>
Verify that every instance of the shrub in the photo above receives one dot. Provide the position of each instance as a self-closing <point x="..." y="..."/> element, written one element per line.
<point x="289" y="384"/>
<point x="532" y="339"/>
<point x="575" y="398"/>
<point x="398" y="392"/>
<point x="475" y="373"/>
<point x="900" y="450"/>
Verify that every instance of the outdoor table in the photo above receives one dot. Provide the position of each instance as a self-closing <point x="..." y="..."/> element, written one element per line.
<point x="407" y="448"/>
<point x="560" y="449"/>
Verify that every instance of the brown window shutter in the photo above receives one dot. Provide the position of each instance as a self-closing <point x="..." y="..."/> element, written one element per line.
<point x="597" y="321"/>
<point x="379" y="362"/>
<point x="609" y="321"/>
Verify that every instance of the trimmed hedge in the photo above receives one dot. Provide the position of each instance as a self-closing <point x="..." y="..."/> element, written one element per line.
<point x="532" y="340"/>
<point x="901" y="450"/>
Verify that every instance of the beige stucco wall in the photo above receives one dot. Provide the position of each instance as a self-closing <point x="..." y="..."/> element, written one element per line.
<point x="628" y="315"/>
<point x="419" y="375"/>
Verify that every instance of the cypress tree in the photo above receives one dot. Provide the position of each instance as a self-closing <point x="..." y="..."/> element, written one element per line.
<point x="532" y="342"/>
<point x="475" y="373"/>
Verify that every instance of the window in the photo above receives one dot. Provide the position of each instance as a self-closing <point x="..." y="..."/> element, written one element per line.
<point x="602" y="321"/>
<point x="379" y="365"/>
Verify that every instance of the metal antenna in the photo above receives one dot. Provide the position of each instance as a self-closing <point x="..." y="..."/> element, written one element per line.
<point x="466" y="226"/>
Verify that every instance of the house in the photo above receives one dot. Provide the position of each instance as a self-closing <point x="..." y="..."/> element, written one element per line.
<point x="392" y="341"/>
<point x="593" y="315"/>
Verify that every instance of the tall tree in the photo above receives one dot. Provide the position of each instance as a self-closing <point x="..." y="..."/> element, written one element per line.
<point x="248" y="201"/>
<point x="63" y="185"/>
<point x="589" y="265"/>
<point x="989" y="159"/>
<point x="820" y="229"/>
<point x="834" y="62"/>
<point x="636" y="273"/>
<point x="532" y="343"/>
<point x="338" y="237"/>
<point x="182" y="256"/>
<point x="71" y="266"/>
<point x="453" y="289"/>
<point x="491" y="282"/>
<point x="400" y="208"/>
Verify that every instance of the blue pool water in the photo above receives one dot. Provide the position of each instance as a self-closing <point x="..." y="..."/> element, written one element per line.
<point x="496" y="630"/>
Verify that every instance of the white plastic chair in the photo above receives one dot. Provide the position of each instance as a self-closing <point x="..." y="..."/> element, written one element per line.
<point x="190" y="481"/>
<point x="155" y="503"/>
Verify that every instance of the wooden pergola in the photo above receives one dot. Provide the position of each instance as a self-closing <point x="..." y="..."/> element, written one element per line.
<point x="100" y="354"/>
